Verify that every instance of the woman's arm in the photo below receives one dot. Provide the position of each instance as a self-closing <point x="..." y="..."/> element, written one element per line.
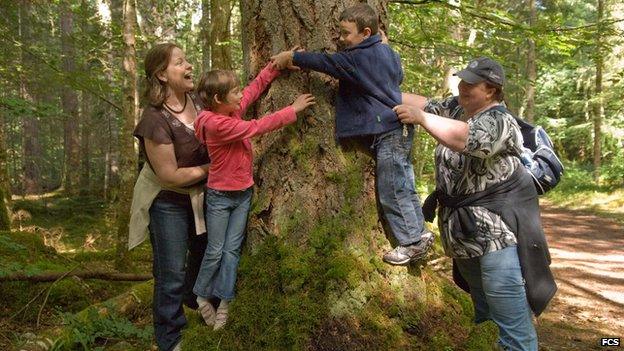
<point x="414" y="100"/>
<point x="162" y="159"/>
<point x="448" y="132"/>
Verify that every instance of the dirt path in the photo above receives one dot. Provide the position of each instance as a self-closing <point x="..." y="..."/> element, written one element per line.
<point x="588" y="263"/>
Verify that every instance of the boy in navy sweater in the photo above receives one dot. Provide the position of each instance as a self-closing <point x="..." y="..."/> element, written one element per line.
<point x="369" y="73"/>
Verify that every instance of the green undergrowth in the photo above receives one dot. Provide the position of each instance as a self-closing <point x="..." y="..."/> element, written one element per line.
<point x="578" y="190"/>
<point x="120" y="323"/>
<point x="50" y="236"/>
<point x="26" y="253"/>
<point x="75" y="223"/>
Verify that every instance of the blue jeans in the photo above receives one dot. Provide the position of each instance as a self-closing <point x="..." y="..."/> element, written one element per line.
<point x="177" y="253"/>
<point x="395" y="185"/>
<point x="497" y="291"/>
<point x="226" y="219"/>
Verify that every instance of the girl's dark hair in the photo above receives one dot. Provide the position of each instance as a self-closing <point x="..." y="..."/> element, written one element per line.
<point x="499" y="94"/>
<point x="156" y="61"/>
<point x="216" y="82"/>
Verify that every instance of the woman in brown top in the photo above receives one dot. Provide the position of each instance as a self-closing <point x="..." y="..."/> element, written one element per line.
<point x="179" y="162"/>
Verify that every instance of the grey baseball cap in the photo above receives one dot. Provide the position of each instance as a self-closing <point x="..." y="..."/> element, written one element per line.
<point x="483" y="69"/>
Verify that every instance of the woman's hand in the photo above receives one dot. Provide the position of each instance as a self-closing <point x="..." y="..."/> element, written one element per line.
<point x="409" y="114"/>
<point x="303" y="101"/>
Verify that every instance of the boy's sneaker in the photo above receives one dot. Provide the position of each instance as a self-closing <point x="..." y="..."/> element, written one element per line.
<point x="222" y="315"/>
<point x="404" y="254"/>
<point x="206" y="310"/>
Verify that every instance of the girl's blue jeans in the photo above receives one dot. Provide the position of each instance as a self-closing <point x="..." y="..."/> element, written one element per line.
<point x="226" y="219"/>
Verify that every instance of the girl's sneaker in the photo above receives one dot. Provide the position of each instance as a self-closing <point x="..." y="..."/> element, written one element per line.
<point x="222" y="315"/>
<point x="206" y="310"/>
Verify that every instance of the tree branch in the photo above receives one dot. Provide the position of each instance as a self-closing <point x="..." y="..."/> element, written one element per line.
<point x="469" y="10"/>
<point x="53" y="276"/>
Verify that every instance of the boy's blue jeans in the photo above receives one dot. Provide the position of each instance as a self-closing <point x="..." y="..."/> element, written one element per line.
<point x="395" y="185"/>
<point x="226" y="219"/>
<point x="497" y="291"/>
<point x="177" y="253"/>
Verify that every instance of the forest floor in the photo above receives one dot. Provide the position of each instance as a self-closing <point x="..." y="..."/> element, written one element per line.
<point x="587" y="249"/>
<point x="588" y="263"/>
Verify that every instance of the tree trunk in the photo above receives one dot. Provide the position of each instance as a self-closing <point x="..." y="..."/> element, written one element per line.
<point x="31" y="147"/>
<point x="5" y="186"/>
<point x="204" y="34"/>
<point x="598" y="104"/>
<point x="128" y="158"/>
<point x="85" y="144"/>
<point x="110" y="138"/>
<point x="69" y="103"/>
<point x="220" y="48"/>
<point x="529" y="113"/>
<point x="311" y="275"/>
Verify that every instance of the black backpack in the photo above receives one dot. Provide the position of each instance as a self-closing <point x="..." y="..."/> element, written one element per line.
<point x="540" y="158"/>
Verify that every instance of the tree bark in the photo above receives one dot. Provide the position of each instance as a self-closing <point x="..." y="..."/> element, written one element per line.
<point x="529" y="113"/>
<point x="128" y="167"/>
<point x="220" y="48"/>
<point x="69" y="103"/>
<point x="53" y="276"/>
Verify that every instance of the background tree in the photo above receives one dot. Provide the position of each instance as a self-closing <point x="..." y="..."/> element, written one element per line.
<point x="204" y="34"/>
<point x="30" y="124"/>
<point x="5" y="193"/>
<point x="128" y="165"/>
<point x="220" y="46"/>
<point x="598" y="107"/>
<point x="529" y="113"/>
<point x="69" y="103"/>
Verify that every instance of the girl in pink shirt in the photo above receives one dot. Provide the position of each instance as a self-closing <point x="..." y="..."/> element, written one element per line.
<point x="230" y="177"/>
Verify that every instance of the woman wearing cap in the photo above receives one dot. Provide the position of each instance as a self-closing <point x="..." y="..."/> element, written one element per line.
<point x="488" y="209"/>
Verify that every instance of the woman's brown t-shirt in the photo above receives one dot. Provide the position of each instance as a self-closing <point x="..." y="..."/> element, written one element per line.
<point x="160" y="126"/>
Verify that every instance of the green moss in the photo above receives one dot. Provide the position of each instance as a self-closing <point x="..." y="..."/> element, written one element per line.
<point x="482" y="337"/>
<point x="452" y="294"/>
<point x="303" y="151"/>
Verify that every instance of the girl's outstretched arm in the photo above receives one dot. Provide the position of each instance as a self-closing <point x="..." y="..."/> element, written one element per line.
<point x="224" y="129"/>
<point x="253" y="90"/>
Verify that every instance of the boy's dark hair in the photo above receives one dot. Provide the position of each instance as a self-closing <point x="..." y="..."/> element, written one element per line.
<point x="216" y="82"/>
<point x="363" y="16"/>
